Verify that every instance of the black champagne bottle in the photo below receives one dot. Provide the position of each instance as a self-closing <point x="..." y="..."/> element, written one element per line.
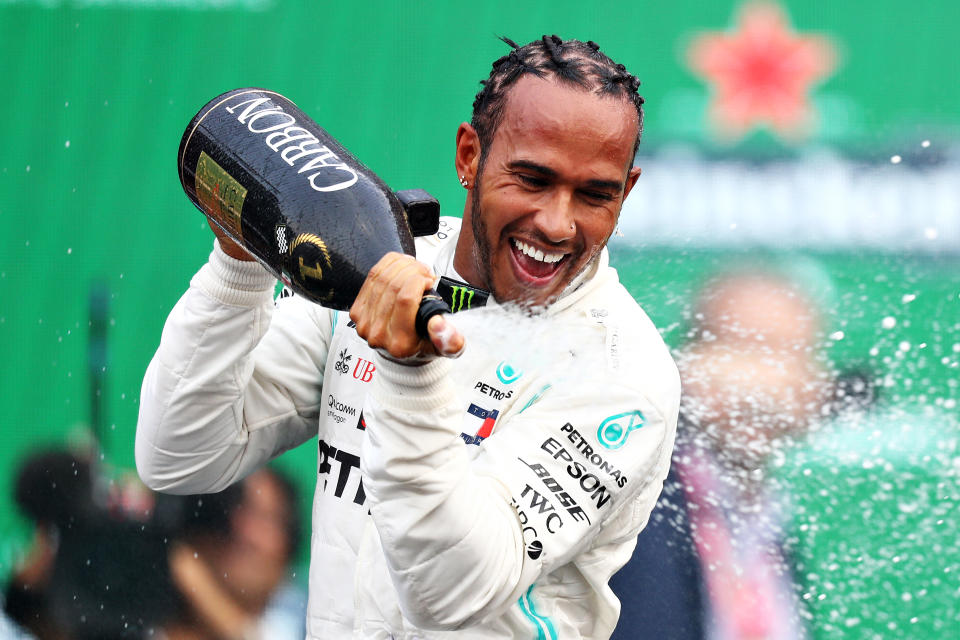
<point x="298" y="201"/>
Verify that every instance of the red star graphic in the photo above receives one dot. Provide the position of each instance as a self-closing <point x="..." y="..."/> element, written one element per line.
<point x="761" y="73"/>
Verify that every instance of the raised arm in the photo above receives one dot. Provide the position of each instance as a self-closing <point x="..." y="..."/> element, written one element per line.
<point x="235" y="381"/>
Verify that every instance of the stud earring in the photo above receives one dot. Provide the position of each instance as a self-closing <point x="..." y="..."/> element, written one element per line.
<point x="463" y="181"/>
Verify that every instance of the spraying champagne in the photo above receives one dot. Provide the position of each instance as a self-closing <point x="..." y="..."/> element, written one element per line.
<point x="297" y="200"/>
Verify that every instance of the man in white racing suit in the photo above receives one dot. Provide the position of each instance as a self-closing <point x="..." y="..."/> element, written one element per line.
<point x="487" y="496"/>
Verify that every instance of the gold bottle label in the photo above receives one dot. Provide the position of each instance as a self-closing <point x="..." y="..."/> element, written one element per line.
<point x="312" y="264"/>
<point x="220" y="195"/>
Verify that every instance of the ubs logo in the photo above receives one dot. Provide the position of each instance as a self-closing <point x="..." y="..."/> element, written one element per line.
<point x="363" y="370"/>
<point x="342" y="365"/>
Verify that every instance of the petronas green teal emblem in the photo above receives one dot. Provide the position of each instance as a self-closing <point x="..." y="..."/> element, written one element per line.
<point x="614" y="430"/>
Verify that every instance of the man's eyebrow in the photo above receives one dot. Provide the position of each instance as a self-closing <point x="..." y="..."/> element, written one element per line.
<point x="533" y="166"/>
<point x="614" y="185"/>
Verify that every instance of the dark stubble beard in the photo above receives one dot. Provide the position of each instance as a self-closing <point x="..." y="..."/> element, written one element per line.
<point x="481" y="245"/>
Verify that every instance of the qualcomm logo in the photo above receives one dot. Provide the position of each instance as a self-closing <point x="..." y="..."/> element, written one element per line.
<point x="507" y="374"/>
<point x="614" y="430"/>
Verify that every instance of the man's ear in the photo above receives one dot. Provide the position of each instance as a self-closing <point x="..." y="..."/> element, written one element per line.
<point x="467" y="158"/>
<point x="632" y="177"/>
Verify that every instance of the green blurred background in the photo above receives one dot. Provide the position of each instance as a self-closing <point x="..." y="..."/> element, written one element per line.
<point x="99" y="91"/>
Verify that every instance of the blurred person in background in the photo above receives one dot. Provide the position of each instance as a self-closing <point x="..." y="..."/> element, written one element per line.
<point x="53" y="488"/>
<point x="874" y="495"/>
<point x="230" y="559"/>
<point x="712" y="563"/>
<point x="82" y="578"/>
<point x="111" y="559"/>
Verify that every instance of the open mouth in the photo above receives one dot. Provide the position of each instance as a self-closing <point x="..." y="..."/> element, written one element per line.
<point x="535" y="265"/>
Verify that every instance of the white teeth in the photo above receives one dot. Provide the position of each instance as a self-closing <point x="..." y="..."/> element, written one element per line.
<point x="537" y="254"/>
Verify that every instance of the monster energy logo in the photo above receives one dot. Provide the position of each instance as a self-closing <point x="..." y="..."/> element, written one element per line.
<point x="461" y="298"/>
<point x="460" y="295"/>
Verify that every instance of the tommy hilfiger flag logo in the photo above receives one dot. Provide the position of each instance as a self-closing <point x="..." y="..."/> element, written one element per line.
<point x="488" y="417"/>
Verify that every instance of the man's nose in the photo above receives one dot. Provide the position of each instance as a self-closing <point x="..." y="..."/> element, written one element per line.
<point x="557" y="219"/>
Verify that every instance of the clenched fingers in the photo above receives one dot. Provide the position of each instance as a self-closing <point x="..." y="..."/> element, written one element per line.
<point x="385" y="309"/>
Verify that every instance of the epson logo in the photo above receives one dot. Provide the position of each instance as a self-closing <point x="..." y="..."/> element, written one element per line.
<point x="299" y="144"/>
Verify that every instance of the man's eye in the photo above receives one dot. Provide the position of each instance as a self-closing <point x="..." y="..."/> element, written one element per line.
<point x="532" y="181"/>
<point x="598" y="195"/>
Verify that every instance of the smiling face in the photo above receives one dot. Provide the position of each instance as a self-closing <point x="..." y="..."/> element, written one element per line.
<point x="547" y="195"/>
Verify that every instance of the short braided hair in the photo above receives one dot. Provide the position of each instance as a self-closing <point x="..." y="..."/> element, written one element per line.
<point x="570" y="62"/>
